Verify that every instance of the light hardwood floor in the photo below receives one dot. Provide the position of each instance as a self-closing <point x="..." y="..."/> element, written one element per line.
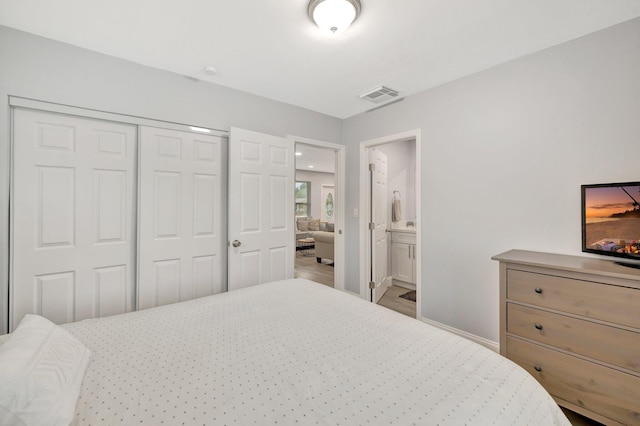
<point x="308" y="268"/>
<point x="392" y="300"/>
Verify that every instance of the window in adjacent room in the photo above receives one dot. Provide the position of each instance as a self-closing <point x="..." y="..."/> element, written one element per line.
<point x="303" y="205"/>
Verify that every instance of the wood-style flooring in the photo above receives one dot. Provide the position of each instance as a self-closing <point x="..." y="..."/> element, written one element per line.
<point x="392" y="300"/>
<point x="308" y="268"/>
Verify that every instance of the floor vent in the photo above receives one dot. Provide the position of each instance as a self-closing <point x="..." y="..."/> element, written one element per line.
<point x="379" y="94"/>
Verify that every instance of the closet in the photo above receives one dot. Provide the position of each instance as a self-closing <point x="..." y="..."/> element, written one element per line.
<point x="180" y="216"/>
<point x="109" y="217"/>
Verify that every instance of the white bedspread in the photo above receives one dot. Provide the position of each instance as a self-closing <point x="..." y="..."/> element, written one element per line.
<point x="296" y="352"/>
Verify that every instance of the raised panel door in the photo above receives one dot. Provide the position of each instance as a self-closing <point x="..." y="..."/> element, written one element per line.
<point x="261" y="234"/>
<point x="180" y="216"/>
<point x="73" y="206"/>
<point x="380" y="219"/>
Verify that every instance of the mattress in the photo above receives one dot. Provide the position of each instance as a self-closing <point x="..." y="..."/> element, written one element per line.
<point x="296" y="352"/>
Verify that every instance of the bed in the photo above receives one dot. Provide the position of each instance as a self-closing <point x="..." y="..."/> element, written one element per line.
<point x="294" y="352"/>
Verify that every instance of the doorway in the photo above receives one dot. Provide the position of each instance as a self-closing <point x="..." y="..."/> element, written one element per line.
<point x="390" y="234"/>
<point x="319" y="206"/>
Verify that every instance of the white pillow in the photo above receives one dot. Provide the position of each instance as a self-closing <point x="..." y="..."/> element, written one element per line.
<point x="41" y="370"/>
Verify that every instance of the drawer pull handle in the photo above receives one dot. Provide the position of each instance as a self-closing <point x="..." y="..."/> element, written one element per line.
<point x="538" y="326"/>
<point x="537" y="368"/>
<point x="538" y="290"/>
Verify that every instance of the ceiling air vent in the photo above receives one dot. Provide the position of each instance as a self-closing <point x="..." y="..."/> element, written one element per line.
<point x="379" y="94"/>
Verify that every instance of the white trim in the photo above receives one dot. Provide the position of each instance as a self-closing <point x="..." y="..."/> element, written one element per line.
<point x="490" y="344"/>
<point x="353" y="293"/>
<point x="364" y="206"/>
<point x="15" y="101"/>
<point x="340" y="189"/>
<point x="7" y="291"/>
<point x="317" y="143"/>
<point x="364" y="229"/>
<point x="418" y="247"/>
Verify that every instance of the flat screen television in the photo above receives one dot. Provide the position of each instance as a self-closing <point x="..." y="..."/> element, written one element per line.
<point x="611" y="220"/>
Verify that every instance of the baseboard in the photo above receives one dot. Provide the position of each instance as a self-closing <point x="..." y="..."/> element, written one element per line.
<point x="494" y="346"/>
<point x="403" y="284"/>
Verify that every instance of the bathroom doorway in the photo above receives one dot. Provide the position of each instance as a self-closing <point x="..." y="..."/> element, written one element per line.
<point x="390" y="230"/>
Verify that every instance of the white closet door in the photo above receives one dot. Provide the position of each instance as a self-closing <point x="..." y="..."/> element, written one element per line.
<point x="261" y="204"/>
<point x="179" y="216"/>
<point x="72" y="217"/>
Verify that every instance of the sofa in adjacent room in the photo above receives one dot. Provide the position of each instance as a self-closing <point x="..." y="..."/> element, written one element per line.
<point x="324" y="245"/>
<point x="321" y="232"/>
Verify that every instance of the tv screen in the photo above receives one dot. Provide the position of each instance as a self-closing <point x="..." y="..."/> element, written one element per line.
<point x="611" y="219"/>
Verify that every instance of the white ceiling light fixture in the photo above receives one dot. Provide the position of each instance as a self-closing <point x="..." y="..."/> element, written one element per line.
<point x="334" y="16"/>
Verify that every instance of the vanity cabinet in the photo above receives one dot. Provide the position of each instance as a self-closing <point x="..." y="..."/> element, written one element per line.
<point x="574" y="324"/>
<point x="403" y="256"/>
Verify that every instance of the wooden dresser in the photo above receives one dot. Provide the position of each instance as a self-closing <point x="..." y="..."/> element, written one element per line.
<point x="574" y="323"/>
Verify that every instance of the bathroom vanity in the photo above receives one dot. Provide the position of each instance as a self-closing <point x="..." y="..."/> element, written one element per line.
<point x="403" y="255"/>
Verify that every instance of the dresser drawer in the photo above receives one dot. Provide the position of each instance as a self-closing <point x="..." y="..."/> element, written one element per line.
<point x="609" y="344"/>
<point x="603" y="390"/>
<point x="619" y="305"/>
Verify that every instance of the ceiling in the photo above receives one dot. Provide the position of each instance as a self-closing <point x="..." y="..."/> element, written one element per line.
<point x="312" y="159"/>
<point x="270" y="47"/>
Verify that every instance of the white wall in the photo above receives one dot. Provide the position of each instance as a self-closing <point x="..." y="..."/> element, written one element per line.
<point x="317" y="179"/>
<point x="504" y="153"/>
<point x="401" y="175"/>
<point x="38" y="68"/>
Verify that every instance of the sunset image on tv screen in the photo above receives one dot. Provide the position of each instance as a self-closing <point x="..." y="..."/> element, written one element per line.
<point x="612" y="219"/>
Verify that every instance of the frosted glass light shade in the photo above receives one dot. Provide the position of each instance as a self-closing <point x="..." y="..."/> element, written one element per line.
<point x="334" y="16"/>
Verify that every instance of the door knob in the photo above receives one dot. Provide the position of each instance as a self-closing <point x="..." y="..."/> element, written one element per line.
<point x="236" y="243"/>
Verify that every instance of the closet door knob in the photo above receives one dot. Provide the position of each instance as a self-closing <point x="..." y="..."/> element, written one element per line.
<point x="538" y="326"/>
<point x="236" y="243"/>
<point x="538" y="290"/>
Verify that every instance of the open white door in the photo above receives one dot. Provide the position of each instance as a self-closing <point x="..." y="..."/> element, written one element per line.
<point x="380" y="278"/>
<point x="261" y="184"/>
<point x="180" y="244"/>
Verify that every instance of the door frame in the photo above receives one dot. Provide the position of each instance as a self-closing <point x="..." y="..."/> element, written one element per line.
<point x="338" y="244"/>
<point x="365" y="202"/>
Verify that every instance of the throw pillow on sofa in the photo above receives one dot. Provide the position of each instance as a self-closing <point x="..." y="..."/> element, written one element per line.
<point x="303" y="225"/>
<point x="314" y="224"/>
